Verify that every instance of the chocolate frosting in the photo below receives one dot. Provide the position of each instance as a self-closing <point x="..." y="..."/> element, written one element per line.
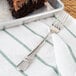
<point x="17" y="4"/>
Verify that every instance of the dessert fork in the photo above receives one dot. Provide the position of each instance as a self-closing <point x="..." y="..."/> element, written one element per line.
<point x="26" y="62"/>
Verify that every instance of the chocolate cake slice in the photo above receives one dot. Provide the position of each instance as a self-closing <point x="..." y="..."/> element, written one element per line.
<point x="21" y="8"/>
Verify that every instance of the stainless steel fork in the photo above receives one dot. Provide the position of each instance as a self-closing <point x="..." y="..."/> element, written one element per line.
<point x="26" y="62"/>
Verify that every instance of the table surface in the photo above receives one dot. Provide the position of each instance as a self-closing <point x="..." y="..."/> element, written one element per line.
<point x="70" y="7"/>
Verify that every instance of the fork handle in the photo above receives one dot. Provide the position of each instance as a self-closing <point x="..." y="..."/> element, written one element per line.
<point x="34" y="52"/>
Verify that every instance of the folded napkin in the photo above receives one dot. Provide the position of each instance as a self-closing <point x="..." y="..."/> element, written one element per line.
<point x="65" y="48"/>
<point x="18" y="42"/>
<point x="64" y="57"/>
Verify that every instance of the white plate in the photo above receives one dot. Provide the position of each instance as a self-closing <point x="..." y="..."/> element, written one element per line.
<point x="6" y="19"/>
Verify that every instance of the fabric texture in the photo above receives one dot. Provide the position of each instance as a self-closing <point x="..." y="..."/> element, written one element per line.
<point x="18" y="42"/>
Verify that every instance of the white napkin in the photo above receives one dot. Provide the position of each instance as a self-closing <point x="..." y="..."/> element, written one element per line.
<point x="64" y="60"/>
<point x="18" y="42"/>
<point x="65" y="48"/>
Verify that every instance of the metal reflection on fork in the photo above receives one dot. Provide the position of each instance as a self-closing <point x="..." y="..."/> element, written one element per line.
<point x="26" y="62"/>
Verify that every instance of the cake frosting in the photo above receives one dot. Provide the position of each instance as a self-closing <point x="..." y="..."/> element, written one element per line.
<point x="21" y="8"/>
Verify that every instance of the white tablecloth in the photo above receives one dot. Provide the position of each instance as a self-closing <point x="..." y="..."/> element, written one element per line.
<point x="16" y="43"/>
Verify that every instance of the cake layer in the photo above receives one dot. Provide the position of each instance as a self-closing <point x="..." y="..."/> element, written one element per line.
<point x="20" y="10"/>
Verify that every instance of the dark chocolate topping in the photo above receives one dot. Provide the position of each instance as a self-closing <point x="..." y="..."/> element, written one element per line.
<point x="21" y="8"/>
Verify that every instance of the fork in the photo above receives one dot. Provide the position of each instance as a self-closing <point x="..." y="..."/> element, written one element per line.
<point x="27" y="61"/>
<point x="63" y="18"/>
